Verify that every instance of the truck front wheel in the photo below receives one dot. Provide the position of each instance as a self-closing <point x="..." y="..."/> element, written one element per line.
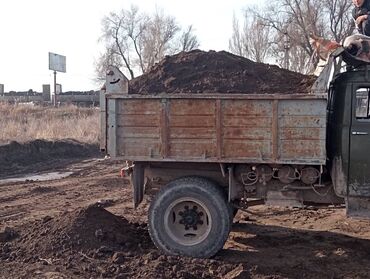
<point x="190" y="217"/>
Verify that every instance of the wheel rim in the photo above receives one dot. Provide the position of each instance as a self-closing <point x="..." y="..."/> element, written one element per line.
<point x="187" y="221"/>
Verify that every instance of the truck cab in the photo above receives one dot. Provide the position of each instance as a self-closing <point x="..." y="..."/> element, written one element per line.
<point x="348" y="138"/>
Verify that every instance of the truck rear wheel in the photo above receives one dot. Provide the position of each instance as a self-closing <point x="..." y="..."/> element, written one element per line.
<point x="190" y="216"/>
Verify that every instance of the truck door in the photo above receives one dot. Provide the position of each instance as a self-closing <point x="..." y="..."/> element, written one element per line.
<point x="359" y="157"/>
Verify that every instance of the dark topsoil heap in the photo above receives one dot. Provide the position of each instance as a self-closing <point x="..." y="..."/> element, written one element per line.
<point x="39" y="155"/>
<point x="92" y="242"/>
<point x="218" y="72"/>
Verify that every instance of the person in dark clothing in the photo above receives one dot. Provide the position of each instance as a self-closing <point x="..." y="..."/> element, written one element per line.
<point x="361" y="15"/>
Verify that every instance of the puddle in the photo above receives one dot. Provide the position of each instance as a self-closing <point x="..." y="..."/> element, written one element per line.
<point x="37" y="177"/>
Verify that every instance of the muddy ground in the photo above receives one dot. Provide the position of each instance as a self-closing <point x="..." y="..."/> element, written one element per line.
<point x="200" y="71"/>
<point x="84" y="226"/>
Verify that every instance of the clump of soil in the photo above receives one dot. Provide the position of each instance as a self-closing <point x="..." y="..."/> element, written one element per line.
<point x="90" y="229"/>
<point x="218" y="72"/>
<point x="41" y="154"/>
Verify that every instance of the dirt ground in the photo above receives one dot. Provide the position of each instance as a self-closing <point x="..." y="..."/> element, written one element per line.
<point x="218" y="72"/>
<point x="84" y="226"/>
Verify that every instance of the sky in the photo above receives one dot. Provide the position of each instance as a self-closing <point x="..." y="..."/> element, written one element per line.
<point x="30" y="29"/>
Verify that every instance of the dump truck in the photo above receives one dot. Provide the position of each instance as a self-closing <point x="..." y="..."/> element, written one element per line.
<point x="208" y="155"/>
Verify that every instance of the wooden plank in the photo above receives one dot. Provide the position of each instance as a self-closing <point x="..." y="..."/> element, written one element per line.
<point x="112" y="135"/>
<point x="305" y="121"/>
<point x="138" y="120"/>
<point x="192" y="107"/>
<point x="247" y="149"/>
<point x="302" y="133"/>
<point x="247" y="133"/>
<point x="248" y="107"/>
<point x="219" y="128"/>
<point x="139" y="132"/>
<point x="275" y="130"/>
<point x="246" y="121"/>
<point x="192" y="121"/>
<point x="138" y="107"/>
<point x="164" y="128"/>
<point x="303" y="107"/>
<point x="222" y="96"/>
<point x="149" y="148"/>
<point x="192" y="133"/>
<point x="192" y="149"/>
<point x="302" y="149"/>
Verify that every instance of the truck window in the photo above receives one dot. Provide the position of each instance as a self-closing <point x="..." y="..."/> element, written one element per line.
<point x="362" y="103"/>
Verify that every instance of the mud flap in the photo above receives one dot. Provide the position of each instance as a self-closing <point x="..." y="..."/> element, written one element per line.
<point x="358" y="207"/>
<point x="137" y="181"/>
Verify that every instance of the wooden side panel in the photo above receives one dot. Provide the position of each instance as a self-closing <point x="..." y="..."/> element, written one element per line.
<point x="192" y="129"/>
<point x="247" y="129"/>
<point x="138" y="128"/>
<point x="219" y="129"/>
<point x="302" y="129"/>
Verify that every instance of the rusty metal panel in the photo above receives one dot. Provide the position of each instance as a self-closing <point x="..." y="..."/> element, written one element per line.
<point x="302" y="130"/>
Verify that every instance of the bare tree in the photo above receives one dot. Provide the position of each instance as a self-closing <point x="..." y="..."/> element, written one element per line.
<point x="157" y="40"/>
<point x="135" y="41"/>
<point x="292" y="22"/>
<point x="253" y="41"/>
<point x="105" y="59"/>
<point x="188" y="40"/>
<point x="120" y="33"/>
<point x="340" y="19"/>
<point x="237" y="42"/>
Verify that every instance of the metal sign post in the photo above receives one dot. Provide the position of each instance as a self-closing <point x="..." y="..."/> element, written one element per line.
<point x="57" y="63"/>
<point x="55" y="89"/>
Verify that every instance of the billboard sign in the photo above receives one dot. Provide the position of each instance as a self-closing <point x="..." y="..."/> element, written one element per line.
<point x="57" y="62"/>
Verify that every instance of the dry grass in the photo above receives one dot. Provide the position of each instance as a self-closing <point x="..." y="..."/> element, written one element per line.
<point x="23" y="122"/>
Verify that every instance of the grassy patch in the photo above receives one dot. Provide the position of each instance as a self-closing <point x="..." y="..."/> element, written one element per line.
<point x="23" y="122"/>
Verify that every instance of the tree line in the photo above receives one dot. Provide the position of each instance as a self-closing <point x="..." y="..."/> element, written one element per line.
<point x="279" y="32"/>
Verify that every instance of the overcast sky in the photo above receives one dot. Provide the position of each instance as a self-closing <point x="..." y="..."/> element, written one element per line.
<point x="29" y="29"/>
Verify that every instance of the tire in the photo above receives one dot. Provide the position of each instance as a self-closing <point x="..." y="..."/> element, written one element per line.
<point x="190" y="216"/>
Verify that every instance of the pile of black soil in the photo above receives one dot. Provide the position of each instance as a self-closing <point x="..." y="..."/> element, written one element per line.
<point x="91" y="242"/>
<point x="218" y="72"/>
<point x="41" y="155"/>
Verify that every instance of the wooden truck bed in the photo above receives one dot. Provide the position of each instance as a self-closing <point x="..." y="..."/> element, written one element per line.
<point x="289" y="129"/>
